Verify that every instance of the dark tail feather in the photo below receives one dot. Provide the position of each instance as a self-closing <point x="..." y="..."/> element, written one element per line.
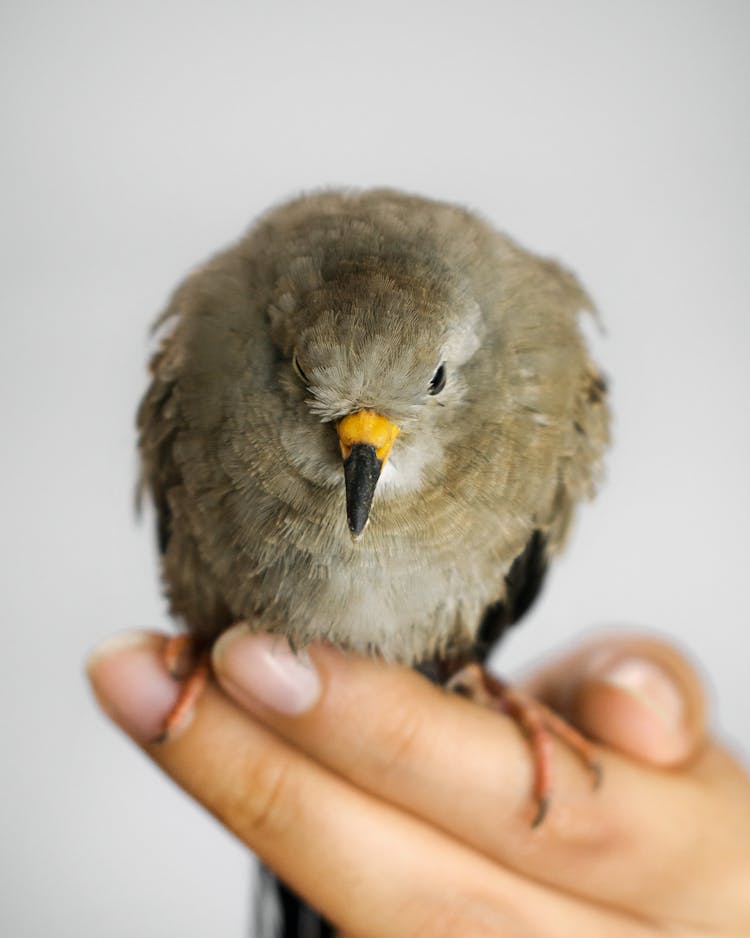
<point x="279" y="913"/>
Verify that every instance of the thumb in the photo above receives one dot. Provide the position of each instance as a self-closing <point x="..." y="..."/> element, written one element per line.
<point x="637" y="695"/>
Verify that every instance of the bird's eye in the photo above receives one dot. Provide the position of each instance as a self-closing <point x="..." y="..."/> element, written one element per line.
<point x="438" y="380"/>
<point x="298" y="370"/>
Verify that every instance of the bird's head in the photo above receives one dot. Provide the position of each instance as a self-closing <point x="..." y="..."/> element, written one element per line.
<point x="376" y="359"/>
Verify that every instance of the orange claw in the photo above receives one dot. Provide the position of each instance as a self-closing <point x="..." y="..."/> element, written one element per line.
<point x="538" y="722"/>
<point x="190" y="667"/>
<point x="179" y="655"/>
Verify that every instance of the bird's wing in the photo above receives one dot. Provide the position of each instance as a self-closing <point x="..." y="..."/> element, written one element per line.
<point x="523" y="583"/>
<point x="157" y="428"/>
<point x="191" y="587"/>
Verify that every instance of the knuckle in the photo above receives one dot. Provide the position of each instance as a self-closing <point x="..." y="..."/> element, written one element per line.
<point x="266" y="799"/>
<point x="400" y="736"/>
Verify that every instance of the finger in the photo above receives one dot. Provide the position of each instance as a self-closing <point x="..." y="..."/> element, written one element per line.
<point x="370" y="868"/>
<point x="468" y="771"/>
<point x="637" y="695"/>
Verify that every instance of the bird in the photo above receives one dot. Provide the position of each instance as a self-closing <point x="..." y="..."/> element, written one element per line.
<point x="370" y="421"/>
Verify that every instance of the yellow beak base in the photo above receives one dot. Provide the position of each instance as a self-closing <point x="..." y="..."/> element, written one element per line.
<point x="365" y="426"/>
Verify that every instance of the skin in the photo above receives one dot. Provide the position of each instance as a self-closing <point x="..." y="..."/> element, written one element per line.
<point x="400" y="810"/>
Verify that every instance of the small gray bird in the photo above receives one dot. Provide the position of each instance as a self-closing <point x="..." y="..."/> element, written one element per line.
<point x="370" y="423"/>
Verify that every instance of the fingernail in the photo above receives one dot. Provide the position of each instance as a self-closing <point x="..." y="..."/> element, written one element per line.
<point x="650" y="685"/>
<point x="261" y="667"/>
<point x="131" y="683"/>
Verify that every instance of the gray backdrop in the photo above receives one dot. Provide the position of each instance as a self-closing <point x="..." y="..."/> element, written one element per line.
<point x="140" y="137"/>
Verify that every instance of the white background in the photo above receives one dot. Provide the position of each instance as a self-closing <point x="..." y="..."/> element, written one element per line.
<point x="140" y="137"/>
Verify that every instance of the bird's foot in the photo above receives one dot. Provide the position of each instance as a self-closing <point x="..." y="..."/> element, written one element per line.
<point x="187" y="664"/>
<point x="538" y="723"/>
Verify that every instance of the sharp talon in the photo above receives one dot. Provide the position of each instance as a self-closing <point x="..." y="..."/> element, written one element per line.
<point x="191" y="668"/>
<point x="539" y="724"/>
<point x="541" y="814"/>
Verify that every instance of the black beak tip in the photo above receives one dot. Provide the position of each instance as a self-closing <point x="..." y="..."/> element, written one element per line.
<point x="361" y="473"/>
<point x="357" y="525"/>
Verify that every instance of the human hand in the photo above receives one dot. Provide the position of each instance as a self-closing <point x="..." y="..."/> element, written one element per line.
<point x="397" y="809"/>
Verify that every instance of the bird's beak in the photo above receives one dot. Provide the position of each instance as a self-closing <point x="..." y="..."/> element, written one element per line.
<point x="366" y="440"/>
